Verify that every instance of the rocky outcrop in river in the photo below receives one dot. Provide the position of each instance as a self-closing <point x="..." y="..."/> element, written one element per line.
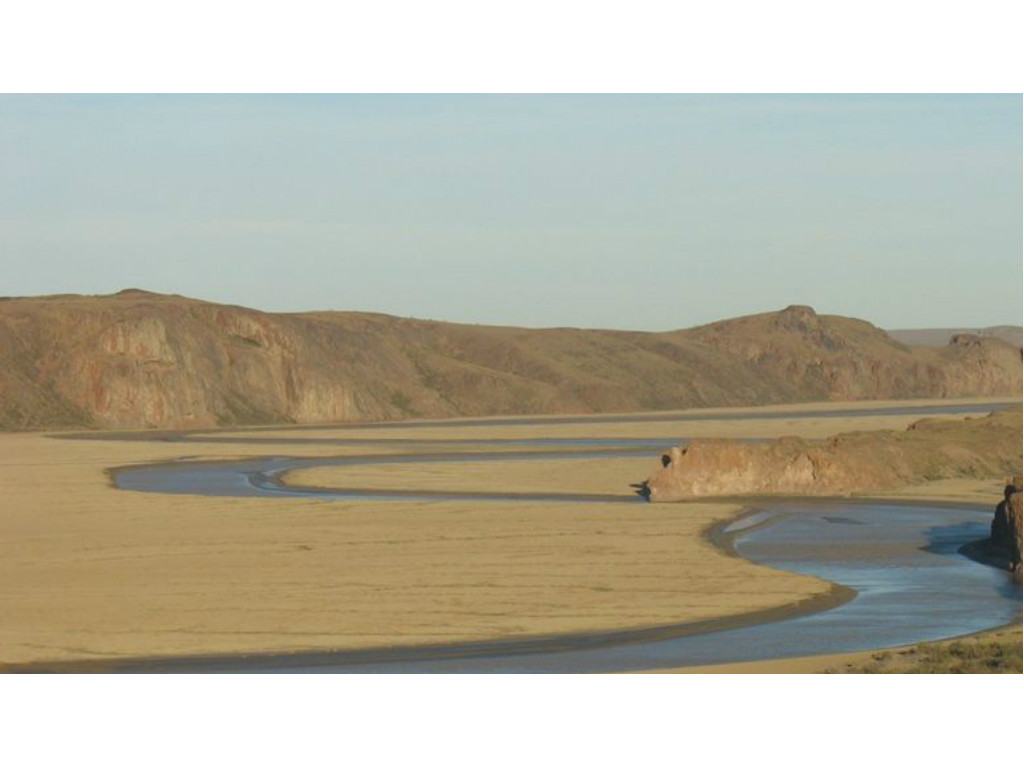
<point x="853" y="462"/>
<point x="1006" y="526"/>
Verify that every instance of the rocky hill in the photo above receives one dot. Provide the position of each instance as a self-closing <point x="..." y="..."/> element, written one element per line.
<point x="854" y="462"/>
<point x="138" y="359"/>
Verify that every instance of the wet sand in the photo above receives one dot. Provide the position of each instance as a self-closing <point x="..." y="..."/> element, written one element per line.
<point x="897" y="659"/>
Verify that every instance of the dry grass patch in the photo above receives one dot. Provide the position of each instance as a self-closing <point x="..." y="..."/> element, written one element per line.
<point x="994" y="652"/>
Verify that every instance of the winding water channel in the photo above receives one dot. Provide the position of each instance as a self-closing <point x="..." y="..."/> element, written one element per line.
<point x="899" y="574"/>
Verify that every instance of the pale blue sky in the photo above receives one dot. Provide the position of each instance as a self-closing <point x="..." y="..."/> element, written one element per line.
<point x="642" y="212"/>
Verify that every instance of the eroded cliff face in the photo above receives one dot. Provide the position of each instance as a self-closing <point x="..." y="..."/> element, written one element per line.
<point x="178" y="364"/>
<point x="139" y="359"/>
<point x="852" y="462"/>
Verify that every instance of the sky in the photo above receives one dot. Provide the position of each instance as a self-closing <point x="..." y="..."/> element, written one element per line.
<point x="633" y="212"/>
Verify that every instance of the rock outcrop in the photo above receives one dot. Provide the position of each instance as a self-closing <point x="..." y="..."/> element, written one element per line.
<point x="138" y="359"/>
<point x="848" y="463"/>
<point x="1006" y="526"/>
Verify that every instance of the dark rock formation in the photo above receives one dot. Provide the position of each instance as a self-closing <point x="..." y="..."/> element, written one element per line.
<point x="1006" y="526"/>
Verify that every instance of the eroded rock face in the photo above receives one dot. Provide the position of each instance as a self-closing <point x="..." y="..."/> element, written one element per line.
<point x="1006" y="526"/>
<point x="847" y="463"/>
<point x="139" y="359"/>
<point x="789" y="466"/>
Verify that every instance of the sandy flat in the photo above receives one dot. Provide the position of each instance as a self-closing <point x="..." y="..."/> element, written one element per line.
<point x="810" y="428"/>
<point x="550" y="421"/>
<point x="88" y="571"/>
<point x="611" y="476"/>
<point x="985" y="491"/>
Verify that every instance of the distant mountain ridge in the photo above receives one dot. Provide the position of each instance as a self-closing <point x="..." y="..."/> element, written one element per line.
<point x="139" y="359"/>
<point x="1012" y="334"/>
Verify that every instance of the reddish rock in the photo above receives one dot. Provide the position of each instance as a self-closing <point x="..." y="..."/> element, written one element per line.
<point x="847" y="463"/>
<point x="140" y="359"/>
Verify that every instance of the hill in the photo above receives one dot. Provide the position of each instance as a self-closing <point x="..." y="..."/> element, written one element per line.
<point x="139" y="359"/>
